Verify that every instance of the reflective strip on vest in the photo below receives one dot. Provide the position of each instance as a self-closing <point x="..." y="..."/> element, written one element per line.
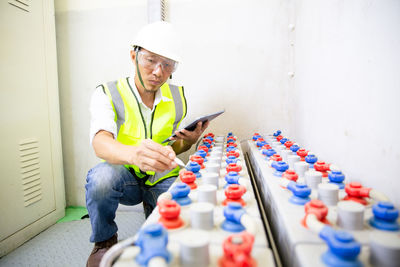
<point x="178" y="105"/>
<point x="118" y="103"/>
<point x="159" y="176"/>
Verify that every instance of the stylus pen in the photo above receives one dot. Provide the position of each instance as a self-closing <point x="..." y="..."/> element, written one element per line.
<point x="179" y="162"/>
<point x="166" y="140"/>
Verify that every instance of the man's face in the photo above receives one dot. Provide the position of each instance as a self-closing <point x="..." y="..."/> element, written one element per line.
<point x="153" y="68"/>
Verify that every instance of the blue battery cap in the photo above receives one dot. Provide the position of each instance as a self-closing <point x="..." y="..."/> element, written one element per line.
<point x="294" y="148"/>
<point x="230" y="141"/>
<point x="337" y="178"/>
<point x="231" y="178"/>
<point x="264" y="151"/>
<point x="311" y="159"/>
<point x="194" y="167"/>
<point x="201" y="153"/>
<point x="180" y="194"/>
<point x="260" y="143"/>
<point x="280" y="167"/>
<point x="270" y="152"/>
<point x="153" y="241"/>
<point x="233" y="213"/>
<point x="278" y="132"/>
<point x="255" y="137"/>
<point x="230" y="134"/>
<point x="385" y="216"/>
<point x="208" y="145"/>
<point x="343" y="250"/>
<point x="273" y="164"/>
<point x="231" y="148"/>
<point x="284" y="140"/>
<point x="301" y="193"/>
<point x="231" y="159"/>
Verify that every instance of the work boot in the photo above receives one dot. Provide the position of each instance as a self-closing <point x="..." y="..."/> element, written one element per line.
<point x="100" y="248"/>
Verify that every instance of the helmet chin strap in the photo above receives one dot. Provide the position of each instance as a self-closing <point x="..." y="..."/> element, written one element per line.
<point x="138" y="71"/>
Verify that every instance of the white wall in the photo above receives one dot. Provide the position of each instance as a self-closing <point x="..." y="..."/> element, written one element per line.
<point x="93" y="48"/>
<point x="234" y="58"/>
<point x="341" y="102"/>
<point x="346" y="88"/>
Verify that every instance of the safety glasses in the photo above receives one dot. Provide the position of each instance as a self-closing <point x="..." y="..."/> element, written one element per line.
<point x="151" y="61"/>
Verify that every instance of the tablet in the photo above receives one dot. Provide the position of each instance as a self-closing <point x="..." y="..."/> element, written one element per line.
<point x="192" y="125"/>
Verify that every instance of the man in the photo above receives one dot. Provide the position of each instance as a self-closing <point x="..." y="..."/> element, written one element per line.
<point x="130" y="119"/>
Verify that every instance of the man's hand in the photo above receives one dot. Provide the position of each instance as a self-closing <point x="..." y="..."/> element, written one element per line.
<point x="148" y="156"/>
<point x="185" y="139"/>
<point x="151" y="156"/>
<point x="191" y="137"/>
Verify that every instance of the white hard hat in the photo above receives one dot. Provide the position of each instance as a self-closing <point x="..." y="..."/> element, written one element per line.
<point x="160" y="38"/>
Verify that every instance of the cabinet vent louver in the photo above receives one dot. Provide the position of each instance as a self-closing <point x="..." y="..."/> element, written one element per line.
<point x="30" y="171"/>
<point x="21" y="4"/>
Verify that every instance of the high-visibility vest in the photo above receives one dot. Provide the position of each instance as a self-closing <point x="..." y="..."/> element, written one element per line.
<point x="131" y="127"/>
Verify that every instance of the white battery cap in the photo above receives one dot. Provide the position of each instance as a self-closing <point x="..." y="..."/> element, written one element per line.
<point x="212" y="167"/>
<point x="211" y="178"/>
<point x="194" y="248"/>
<point x="291" y="160"/>
<point x="384" y="248"/>
<point x="328" y="193"/>
<point x="202" y="216"/>
<point x="313" y="178"/>
<point x="350" y="215"/>
<point x="207" y="193"/>
<point x="301" y="167"/>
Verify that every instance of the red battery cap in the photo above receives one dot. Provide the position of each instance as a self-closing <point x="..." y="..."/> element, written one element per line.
<point x="188" y="178"/>
<point x="203" y="148"/>
<point x="318" y="208"/>
<point x="233" y="167"/>
<point x="355" y="192"/>
<point x="234" y="193"/>
<point x="322" y="167"/>
<point x="237" y="251"/>
<point x="232" y="153"/>
<point x="288" y="144"/>
<point x="198" y="159"/>
<point x="169" y="211"/>
<point x="276" y="157"/>
<point x="290" y="175"/>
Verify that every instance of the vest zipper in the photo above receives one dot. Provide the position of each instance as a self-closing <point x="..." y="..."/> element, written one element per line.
<point x="151" y="122"/>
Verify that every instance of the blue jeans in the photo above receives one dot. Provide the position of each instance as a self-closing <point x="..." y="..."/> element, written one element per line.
<point x="107" y="186"/>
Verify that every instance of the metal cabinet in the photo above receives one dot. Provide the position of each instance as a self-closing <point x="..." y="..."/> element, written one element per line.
<point x="32" y="193"/>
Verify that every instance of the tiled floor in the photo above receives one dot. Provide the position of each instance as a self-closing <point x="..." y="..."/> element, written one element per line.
<point x="67" y="244"/>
